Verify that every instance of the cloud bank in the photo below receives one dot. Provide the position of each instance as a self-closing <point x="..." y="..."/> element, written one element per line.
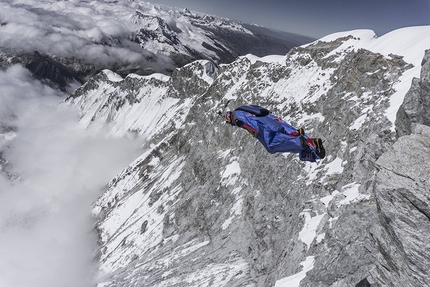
<point x="54" y="172"/>
<point x="96" y="31"/>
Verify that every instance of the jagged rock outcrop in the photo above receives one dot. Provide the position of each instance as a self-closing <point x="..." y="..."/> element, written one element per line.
<point x="50" y="71"/>
<point x="402" y="191"/>
<point x="416" y="106"/>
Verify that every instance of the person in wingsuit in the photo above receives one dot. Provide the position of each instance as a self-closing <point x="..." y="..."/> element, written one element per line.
<point x="275" y="134"/>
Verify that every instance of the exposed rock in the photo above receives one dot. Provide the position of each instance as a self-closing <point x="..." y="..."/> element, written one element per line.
<point x="54" y="73"/>
<point x="46" y="69"/>
<point x="402" y="191"/>
<point x="416" y="105"/>
<point x="347" y="252"/>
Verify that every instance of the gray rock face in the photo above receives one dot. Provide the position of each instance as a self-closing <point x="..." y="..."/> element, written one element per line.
<point x="206" y="205"/>
<point x="416" y="106"/>
<point x="402" y="191"/>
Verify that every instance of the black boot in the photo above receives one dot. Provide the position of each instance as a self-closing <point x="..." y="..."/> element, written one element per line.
<point x="319" y="148"/>
<point x="301" y="131"/>
<point x="303" y="142"/>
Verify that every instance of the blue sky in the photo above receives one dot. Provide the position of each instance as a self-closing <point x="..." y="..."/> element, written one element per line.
<point x="316" y="18"/>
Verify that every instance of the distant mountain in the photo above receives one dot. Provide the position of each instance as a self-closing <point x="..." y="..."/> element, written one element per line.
<point x="291" y="40"/>
<point x="206" y="205"/>
<point x="70" y="42"/>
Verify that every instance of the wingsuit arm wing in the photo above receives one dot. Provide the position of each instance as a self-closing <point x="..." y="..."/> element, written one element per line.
<point x="255" y="110"/>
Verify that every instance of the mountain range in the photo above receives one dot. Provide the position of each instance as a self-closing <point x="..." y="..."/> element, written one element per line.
<point x="64" y="47"/>
<point x="204" y="204"/>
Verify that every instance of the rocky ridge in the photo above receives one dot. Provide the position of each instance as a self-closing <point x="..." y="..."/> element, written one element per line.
<point x="401" y="188"/>
<point x="206" y="205"/>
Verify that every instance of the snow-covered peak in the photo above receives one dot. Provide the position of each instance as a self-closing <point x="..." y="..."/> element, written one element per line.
<point x="113" y="77"/>
<point x="364" y="34"/>
<point x="409" y="42"/>
<point x="186" y="11"/>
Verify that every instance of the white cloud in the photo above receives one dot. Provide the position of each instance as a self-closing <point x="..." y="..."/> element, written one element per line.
<point x="85" y="30"/>
<point x="46" y="230"/>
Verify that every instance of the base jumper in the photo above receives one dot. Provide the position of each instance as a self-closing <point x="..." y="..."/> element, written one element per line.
<point x="275" y="134"/>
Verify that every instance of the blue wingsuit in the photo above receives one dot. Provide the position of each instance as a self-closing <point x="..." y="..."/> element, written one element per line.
<point x="275" y="134"/>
